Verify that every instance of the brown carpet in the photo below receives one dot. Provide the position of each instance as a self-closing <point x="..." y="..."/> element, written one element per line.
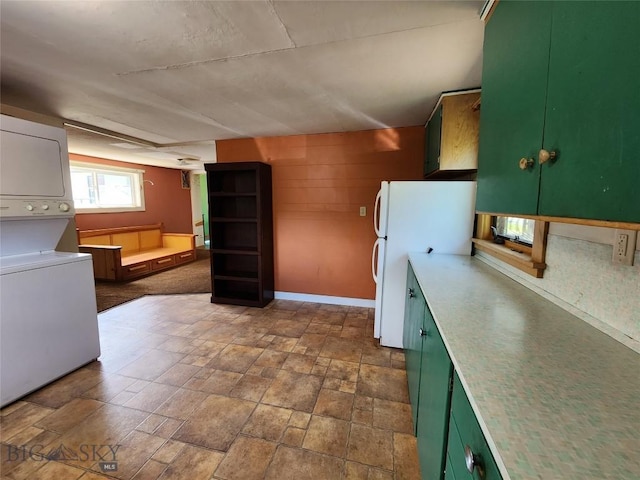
<point x="193" y="277"/>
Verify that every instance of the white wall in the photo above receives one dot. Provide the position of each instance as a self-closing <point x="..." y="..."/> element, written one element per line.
<point x="196" y="207"/>
<point x="581" y="277"/>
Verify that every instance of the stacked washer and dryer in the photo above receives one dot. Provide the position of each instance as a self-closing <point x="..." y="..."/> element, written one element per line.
<point x="48" y="318"/>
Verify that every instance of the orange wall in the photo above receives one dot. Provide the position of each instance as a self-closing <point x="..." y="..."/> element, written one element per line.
<point x="322" y="245"/>
<point x="165" y="201"/>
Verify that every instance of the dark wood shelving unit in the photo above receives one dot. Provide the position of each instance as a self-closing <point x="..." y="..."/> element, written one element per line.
<point x="241" y="233"/>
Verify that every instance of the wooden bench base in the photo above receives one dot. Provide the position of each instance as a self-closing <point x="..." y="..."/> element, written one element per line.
<point x="150" y="262"/>
<point x="118" y="263"/>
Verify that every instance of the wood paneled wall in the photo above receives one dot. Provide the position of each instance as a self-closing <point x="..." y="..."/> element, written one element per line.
<point x="165" y="201"/>
<point x="322" y="244"/>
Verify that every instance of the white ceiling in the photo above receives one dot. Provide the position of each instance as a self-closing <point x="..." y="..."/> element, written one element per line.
<point x="178" y="75"/>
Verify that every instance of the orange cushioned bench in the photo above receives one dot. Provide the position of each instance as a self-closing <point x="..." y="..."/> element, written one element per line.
<point x="124" y="253"/>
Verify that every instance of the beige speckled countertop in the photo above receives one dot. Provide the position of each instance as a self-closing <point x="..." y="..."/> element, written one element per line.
<point x="556" y="398"/>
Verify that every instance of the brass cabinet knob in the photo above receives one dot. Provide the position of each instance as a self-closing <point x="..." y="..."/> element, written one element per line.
<point x="544" y="156"/>
<point x="526" y="163"/>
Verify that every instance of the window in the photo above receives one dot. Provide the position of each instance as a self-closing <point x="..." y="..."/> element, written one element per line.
<point x="519" y="230"/>
<point x="520" y="242"/>
<point x="103" y="188"/>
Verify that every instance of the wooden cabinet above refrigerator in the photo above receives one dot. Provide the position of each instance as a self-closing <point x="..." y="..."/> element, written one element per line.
<point x="451" y="138"/>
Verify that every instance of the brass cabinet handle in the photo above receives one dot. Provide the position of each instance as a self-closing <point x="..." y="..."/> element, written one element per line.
<point x="526" y="163"/>
<point x="544" y="156"/>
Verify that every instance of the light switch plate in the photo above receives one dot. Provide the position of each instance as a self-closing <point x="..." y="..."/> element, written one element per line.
<point x="363" y="211"/>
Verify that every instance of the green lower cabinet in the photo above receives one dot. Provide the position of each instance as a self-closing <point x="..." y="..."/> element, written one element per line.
<point x="429" y="372"/>
<point x="434" y="401"/>
<point x="466" y="441"/>
<point x="415" y="306"/>
<point x="449" y="474"/>
<point x="443" y="420"/>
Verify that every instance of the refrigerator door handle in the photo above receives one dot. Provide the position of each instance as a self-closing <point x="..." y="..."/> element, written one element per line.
<point x="376" y="213"/>
<point x="376" y="246"/>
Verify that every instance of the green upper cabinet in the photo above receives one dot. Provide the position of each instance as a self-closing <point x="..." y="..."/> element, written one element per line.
<point x="593" y="112"/>
<point x="432" y="138"/>
<point x="514" y="82"/>
<point x="561" y="76"/>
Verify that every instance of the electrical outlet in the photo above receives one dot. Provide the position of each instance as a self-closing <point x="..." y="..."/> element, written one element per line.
<point x="624" y="247"/>
<point x="363" y="211"/>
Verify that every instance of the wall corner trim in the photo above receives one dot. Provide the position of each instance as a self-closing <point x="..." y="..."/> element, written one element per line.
<point x="308" y="297"/>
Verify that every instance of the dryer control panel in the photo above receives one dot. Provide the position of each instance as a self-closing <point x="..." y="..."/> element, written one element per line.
<point x="36" y="179"/>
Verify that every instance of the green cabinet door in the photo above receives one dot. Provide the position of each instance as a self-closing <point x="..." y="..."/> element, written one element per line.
<point x="415" y="305"/>
<point x="449" y="474"/>
<point x="465" y="431"/>
<point x="514" y="85"/>
<point x="561" y="76"/>
<point x="434" y="401"/>
<point x="433" y="139"/>
<point x="593" y="112"/>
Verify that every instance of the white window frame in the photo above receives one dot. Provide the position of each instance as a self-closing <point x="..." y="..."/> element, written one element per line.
<point x="513" y="237"/>
<point x="138" y="182"/>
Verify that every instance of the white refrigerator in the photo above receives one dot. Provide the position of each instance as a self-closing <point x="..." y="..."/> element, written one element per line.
<point x="414" y="216"/>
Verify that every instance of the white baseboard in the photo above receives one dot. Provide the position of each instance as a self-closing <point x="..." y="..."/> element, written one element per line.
<point x="308" y="297"/>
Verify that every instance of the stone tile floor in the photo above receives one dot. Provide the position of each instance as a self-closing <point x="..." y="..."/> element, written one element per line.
<point x="185" y="389"/>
